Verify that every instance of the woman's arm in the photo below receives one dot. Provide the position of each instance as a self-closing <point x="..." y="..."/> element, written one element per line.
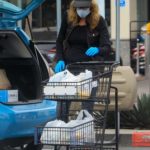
<point x="104" y="41"/>
<point x="60" y="38"/>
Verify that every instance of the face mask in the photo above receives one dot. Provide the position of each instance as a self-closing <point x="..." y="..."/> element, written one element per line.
<point x="82" y="13"/>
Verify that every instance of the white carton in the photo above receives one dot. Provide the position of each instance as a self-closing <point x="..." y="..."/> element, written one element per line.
<point x="8" y="96"/>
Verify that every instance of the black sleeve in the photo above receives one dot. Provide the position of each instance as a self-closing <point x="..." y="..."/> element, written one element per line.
<point x="60" y="38"/>
<point x="104" y="41"/>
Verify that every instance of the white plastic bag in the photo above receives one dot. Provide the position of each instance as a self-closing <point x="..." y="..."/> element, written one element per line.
<point x="70" y="89"/>
<point x="83" y="131"/>
<point x="76" y="131"/>
<point x="80" y="77"/>
<point x="67" y="76"/>
<point x="50" y="132"/>
<point x="59" y="77"/>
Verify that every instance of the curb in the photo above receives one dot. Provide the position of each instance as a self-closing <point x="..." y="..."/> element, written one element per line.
<point x="125" y="136"/>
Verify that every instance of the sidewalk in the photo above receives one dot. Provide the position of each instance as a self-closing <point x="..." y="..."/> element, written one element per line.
<point x="125" y="136"/>
<point x="143" y="85"/>
<point x="125" y="143"/>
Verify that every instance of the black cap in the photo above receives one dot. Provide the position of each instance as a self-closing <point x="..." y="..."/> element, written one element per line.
<point x="82" y="3"/>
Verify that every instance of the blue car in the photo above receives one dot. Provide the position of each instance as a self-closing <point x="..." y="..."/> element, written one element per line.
<point x="27" y="72"/>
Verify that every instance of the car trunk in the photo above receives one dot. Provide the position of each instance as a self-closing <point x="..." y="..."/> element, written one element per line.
<point x="20" y="65"/>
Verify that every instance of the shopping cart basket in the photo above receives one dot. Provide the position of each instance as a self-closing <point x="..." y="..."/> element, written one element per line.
<point x="77" y="91"/>
<point x="95" y="89"/>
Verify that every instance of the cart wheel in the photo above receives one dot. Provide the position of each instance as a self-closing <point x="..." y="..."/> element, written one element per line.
<point x="31" y="146"/>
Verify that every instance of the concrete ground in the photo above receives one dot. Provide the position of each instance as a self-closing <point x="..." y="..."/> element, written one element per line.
<point x="143" y="85"/>
<point x="120" y="148"/>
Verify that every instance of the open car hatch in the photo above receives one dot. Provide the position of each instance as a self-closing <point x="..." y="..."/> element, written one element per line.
<point x="14" y="10"/>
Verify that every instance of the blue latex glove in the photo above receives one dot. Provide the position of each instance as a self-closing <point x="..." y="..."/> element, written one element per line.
<point x="60" y="66"/>
<point x="92" y="51"/>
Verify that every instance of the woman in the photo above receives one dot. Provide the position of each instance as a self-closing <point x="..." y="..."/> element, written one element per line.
<point x="83" y="35"/>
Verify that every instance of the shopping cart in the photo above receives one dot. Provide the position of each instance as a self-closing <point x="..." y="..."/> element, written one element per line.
<point x="89" y="91"/>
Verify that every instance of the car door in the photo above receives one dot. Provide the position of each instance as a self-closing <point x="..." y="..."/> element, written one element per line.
<point x="43" y="65"/>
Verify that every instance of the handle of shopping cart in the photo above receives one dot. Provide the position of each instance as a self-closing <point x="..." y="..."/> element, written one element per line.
<point x="112" y="64"/>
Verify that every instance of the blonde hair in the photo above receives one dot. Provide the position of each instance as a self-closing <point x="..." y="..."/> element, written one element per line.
<point x="92" y="19"/>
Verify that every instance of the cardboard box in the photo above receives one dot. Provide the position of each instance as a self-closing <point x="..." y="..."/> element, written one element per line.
<point x="141" y="138"/>
<point x="8" y="96"/>
<point x="4" y="82"/>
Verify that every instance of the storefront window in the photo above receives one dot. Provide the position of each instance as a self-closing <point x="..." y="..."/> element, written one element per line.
<point x="142" y="10"/>
<point x="44" y="17"/>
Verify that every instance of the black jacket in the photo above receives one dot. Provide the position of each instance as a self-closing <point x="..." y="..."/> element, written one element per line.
<point x="98" y="37"/>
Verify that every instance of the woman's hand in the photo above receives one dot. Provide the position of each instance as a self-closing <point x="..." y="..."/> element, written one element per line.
<point x="60" y="66"/>
<point x="92" y="51"/>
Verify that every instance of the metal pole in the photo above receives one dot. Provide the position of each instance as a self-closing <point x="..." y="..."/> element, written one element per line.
<point x="58" y="12"/>
<point x="118" y="30"/>
<point x="40" y="16"/>
<point x="147" y="55"/>
<point x="118" y="60"/>
<point x="20" y="6"/>
<point x="137" y="59"/>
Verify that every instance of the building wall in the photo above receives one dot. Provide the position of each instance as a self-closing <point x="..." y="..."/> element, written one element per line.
<point x="142" y="14"/>
<point x="127" y="13"/>
<point x="124" y="51"/>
